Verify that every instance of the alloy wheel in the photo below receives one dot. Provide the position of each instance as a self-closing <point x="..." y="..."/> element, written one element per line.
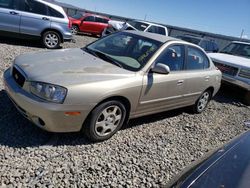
<point x="108" y="120"/>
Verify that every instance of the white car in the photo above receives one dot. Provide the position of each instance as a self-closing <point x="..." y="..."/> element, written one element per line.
<point x="136" y="25"/>
<point x="234" y="63"/>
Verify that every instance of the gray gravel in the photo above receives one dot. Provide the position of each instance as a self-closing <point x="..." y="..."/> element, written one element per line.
<point x="146" y="153"/>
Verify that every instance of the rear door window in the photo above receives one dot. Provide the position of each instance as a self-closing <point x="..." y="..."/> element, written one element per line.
<point x="54" y="13"/>
<point x="161" y="31"/>
<point x="35" y="7"/>
<point x="9" y="4"/>
<point x="196" y="59"/>
<point x="89" y="19"/>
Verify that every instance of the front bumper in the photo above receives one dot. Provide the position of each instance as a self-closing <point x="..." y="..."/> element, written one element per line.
<point x="238" y="83"/>
<point x="48" y="116"/>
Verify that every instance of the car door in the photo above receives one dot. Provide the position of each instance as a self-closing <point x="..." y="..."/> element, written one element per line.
<point x="162" y="92"/>
<point x="198" y="73"/>
<point x="88" y="24"/>
<point x="10" y="15"/>
<point x="34" y="18"/>
<point x="101" y="24"/>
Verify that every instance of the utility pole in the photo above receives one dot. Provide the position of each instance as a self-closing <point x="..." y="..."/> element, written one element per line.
<point x="242" y="32"/>
<point x="145" y="17"/>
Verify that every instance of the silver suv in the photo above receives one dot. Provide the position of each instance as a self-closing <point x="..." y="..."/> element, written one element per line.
<point x="35" y="19"/>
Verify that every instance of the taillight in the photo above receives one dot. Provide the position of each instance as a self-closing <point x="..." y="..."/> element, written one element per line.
<point x="70" y="23"/>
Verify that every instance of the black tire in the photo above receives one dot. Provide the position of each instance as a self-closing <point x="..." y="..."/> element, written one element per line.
<point x="100" y="127"/>
<point x="75" y="29"/>
<point x="51" y="40"/>
<point x="247" y="98"/>
<point x="201" y="104"/>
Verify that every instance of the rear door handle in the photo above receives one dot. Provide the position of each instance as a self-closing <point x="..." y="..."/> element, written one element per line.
<point x="13" y="13"/>
<point x="180" y="82"/>
<point x="45" y="18"/>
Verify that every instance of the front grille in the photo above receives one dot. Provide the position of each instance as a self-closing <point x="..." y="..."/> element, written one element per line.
<point x="226" y="69"/>
<point x="18" y="77"/>
<point x="244" y="73"/>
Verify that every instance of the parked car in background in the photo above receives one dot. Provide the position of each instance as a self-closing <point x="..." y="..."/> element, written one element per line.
<point x="121" y="76"/>
<point x="234" y="63"/>
<point x="207" y="44"/>
<point x="35" y="19"/>
<point x="226" y="167"/>
<point x="136" y="25"/>
<point x="89" y="23"/>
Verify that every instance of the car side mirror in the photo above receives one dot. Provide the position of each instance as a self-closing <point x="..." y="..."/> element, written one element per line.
<point x="161" y="68"/>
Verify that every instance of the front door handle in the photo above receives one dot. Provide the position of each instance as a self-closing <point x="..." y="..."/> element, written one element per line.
<point x="180" y="82"/>
<point x="207" y="78"/>
<point x="13" y="13"/>
<point x="45" y="18"/>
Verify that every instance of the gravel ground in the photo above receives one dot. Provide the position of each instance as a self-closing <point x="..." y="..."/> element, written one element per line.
<point x="148" y="152"/>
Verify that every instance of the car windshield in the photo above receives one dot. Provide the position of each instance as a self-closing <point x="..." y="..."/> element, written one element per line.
<point x="190" y="39"/>
<point x="238" y="49"/>
<point x="138" y="25"/>
<point x="126" y="50"/>
<point x="77" y="16"/>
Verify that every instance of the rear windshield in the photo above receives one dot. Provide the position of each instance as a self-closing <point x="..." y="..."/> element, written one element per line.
<point x="138" y="25"/>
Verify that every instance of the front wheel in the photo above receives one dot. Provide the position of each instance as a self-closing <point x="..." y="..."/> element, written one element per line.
<point x="202" y="102"/>
<point x="51" y="40"/>
<point x="105" y="120"/>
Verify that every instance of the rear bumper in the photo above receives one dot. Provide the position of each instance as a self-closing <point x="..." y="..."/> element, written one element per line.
<point x="238" y="83"/>
<point x="48" y="116"/>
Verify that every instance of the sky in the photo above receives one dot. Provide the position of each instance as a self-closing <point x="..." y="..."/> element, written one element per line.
<point x="227" y="17"/>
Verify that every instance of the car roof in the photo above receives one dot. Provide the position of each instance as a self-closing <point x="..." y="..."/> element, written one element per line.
<point x="142" y="21"/>
<point x="239" y="42"/>
<point x="157" y="37"/>
<point x="96" y="15"/>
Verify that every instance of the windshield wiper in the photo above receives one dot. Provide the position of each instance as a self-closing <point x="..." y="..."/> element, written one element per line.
<point x="102" y="56"/>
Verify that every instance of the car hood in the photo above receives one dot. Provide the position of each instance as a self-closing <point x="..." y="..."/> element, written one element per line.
<point x="230" y="59"/>
<point x="67" y="67"/>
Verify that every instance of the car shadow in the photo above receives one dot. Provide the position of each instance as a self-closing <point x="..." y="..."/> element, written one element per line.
<point x="21" y="42"/>
<point x="230" y="95"/>
<point x="88" y="35"/>
<point x="18" y="132"/>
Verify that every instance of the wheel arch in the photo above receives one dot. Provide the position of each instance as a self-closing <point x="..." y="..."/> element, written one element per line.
<point x="55" y="30"/>
<point x="211" y="89"/>
<point x="125" y="101"/>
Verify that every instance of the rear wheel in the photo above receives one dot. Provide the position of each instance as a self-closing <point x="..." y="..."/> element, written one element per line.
<point x="202" y="102"/>
<point x="105" y="120"/>
<point x="51" y="40"/>
<point x="74" y="29"/>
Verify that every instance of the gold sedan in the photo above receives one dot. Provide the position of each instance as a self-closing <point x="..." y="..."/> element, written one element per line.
<point x="98" y="88"/>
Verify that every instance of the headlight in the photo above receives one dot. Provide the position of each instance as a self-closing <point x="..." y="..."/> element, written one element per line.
<point x="49" y="92"/>
<point x="245" y="73"/>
